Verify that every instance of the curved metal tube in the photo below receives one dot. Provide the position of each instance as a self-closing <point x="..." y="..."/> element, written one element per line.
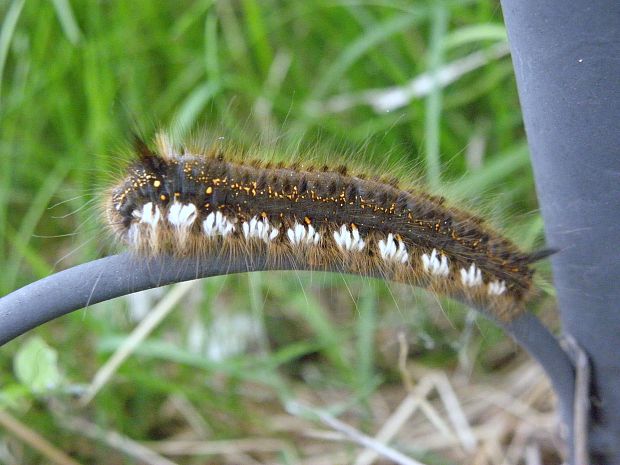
<point x="117" y="275"/>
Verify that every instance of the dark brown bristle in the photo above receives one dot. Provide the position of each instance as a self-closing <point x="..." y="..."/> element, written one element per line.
<point x="351" y="193"/>
<point x="541" y="254"/>
<point x="261" y="183"/>
<point x="143" y="151"/>
<point x="331" y="188"/>
<point x="402" y="201"/>
<point x="394" y="182"/>
<point x="303" y="185"/>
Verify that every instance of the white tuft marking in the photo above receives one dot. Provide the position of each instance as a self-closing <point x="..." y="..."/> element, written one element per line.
<point x="471" y="277"/>
<point x="497" y="287"/>
<point x="150" y="214"/>
<point x="260" y="229"/>
<point x="301" y="234"/>
<point x="437" y="266"/>
<point x="389" y="250"/>
<point x="182" y="217"/>
<point x="216" y="224"/>
<point x="349" y="239"/>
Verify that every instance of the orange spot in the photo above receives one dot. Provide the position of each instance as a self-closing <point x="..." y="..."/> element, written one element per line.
<point x="307" y="220"/>
<point x="209" y="190"/>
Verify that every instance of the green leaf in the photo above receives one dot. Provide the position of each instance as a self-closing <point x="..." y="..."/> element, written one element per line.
<point x="35" y="366"/>
<point x="14" y="396"/>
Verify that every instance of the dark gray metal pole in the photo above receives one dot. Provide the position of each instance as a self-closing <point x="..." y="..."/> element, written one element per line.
<point x="567" y="62"/>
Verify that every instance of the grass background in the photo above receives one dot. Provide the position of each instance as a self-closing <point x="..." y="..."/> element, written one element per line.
<point x="231" y="356"/>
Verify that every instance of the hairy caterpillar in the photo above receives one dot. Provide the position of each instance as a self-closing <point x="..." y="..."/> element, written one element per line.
<point x="213" y="201"/>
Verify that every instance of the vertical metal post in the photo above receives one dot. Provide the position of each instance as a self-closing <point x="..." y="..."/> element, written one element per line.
<point x="566" y="57"/>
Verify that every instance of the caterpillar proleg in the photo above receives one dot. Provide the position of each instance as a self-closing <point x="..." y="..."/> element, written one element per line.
<point x="191" y="202"/>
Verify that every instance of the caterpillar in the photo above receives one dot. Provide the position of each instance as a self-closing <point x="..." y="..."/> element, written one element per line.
<point x="220" y="201"/>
